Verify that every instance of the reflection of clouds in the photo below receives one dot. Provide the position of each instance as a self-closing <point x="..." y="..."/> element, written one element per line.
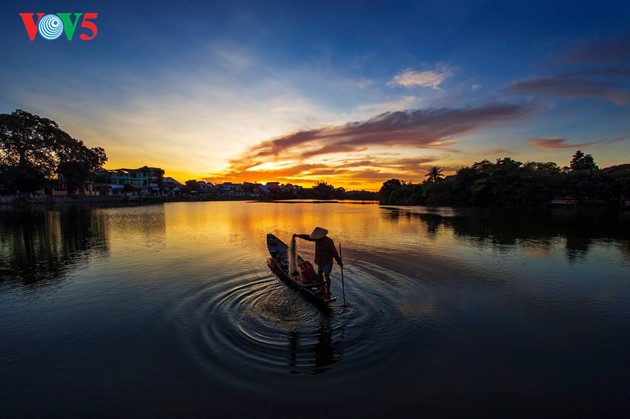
<point x="414" y="310"/>
<point x="145" y="223"/>
<point x="145" y="220"/>
<point x="377" y="270"/>
<point x="539" y="249"/>
<point x="605" y="295"/>
<point x="624" y="248"/>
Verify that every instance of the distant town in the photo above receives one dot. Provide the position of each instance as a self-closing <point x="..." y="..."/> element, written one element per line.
<point x="152" y="182"/>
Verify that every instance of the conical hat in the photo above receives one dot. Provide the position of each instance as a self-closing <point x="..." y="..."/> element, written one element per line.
<point x="318" y="233"/>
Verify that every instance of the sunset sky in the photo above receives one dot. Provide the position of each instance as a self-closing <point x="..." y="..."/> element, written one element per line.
<point x="348" y="92"/>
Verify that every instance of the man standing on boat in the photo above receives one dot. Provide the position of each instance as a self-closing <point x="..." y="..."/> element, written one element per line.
<point x="325" y="252"/>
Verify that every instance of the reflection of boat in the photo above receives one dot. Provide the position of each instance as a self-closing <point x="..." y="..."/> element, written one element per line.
<point x="308" y="358"/>
<point x="305" y="279"/>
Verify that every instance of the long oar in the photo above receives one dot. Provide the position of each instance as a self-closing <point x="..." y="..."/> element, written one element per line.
<point x="343" y="287"/>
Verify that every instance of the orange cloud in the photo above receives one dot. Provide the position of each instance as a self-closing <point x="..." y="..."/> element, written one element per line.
<point x="345" y="146"/>
<point x="419" y="128"/>
<point x="556" y="142"/>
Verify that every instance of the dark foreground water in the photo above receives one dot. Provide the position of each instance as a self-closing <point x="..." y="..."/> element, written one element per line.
<point x="171" y="311"/>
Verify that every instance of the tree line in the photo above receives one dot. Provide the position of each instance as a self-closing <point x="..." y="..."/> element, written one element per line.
<point x="324" y="190"/>
<point x="511" y="183"/>
<point x="320" y="191"/>
<point x="34" y="152"/>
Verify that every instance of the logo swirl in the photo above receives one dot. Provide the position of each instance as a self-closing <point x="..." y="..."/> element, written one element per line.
<point x="50" y="27"/>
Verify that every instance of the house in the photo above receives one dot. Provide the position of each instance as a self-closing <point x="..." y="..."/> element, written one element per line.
<point x="142" y="181"/>
<point x="171" y="186"/>
<point x="205" y="186"/>
<point x="63" y="188"/>
<point x="231" y="189"/>
<point x="272" y="186"/>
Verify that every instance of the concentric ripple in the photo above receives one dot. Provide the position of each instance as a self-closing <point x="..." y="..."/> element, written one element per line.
<point x="50" y="27"/>
<point x="251" y="327"/>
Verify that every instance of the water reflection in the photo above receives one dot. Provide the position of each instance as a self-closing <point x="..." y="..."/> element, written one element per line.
<point x="478" y="306"/>
<point x="539" y="228"/>
<point x="145" y="224"/>
<point x="41" y="247"/>
<point x="314" y="358"/>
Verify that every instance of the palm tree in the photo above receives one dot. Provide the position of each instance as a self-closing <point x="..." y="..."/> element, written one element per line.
<point x="434" y="174"/>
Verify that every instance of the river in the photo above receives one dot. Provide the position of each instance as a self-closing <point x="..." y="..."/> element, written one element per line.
<point x="171" y="311"/>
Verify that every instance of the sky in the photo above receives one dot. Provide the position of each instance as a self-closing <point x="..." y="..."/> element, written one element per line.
<point x="352" y="93"/>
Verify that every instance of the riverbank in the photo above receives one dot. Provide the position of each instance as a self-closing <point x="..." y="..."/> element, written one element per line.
<point x="119" y="200"/>
<point x="37" y="200"/>
<point x="51" y="201"/>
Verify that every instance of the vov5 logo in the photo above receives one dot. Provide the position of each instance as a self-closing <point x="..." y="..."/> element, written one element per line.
<point x="51" y="26"/>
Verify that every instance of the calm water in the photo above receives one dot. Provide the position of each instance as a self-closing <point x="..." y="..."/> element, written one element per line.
<point x="171" y="310"/>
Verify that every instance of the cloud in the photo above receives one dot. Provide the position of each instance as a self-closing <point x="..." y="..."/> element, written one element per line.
<point x="599" y="69"/>
<point x="607" y="72"/>
<point x="558" y="142"/>
<point x="430" y="79"/>
<point x="555" y="142"/>
<point x="366" y="173"/>
<point x="330" y="149"/>
<point x="407" y="164"/>
<point x="419" y="128"/>
<point x="364" y="83"/>
<point x="475" y="87"/>
<point x="345" y="146"/>
<point x="573" y="87"/>
<point x="609" y="50"/>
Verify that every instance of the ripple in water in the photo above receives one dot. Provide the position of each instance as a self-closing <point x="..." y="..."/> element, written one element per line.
<point x="250" y="327"/>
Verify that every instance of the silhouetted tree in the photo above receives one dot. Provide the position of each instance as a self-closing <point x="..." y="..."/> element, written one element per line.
<point x="505" y="179"/>
<point x="362" y="195"/>
<point x="323" y="190"/>
<point x="510" y="183"/>
<point x="434" y="174"/>
<point x="339" y="193"/>
<point x="34" y="149"/>
<point x="386" y="190"/>
<point x="396" y="192"/>
<point x="620" y="180"/>
<point x="539" y="182"/>
<point x="581" y="161"/>
<point x="439" y="193"/>
<point x="463" y="183"/>
<point x="81" y="166"/>
<point x="192" y="185"/>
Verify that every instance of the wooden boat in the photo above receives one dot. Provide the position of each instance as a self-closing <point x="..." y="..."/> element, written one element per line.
<point x="304" y="280"/>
